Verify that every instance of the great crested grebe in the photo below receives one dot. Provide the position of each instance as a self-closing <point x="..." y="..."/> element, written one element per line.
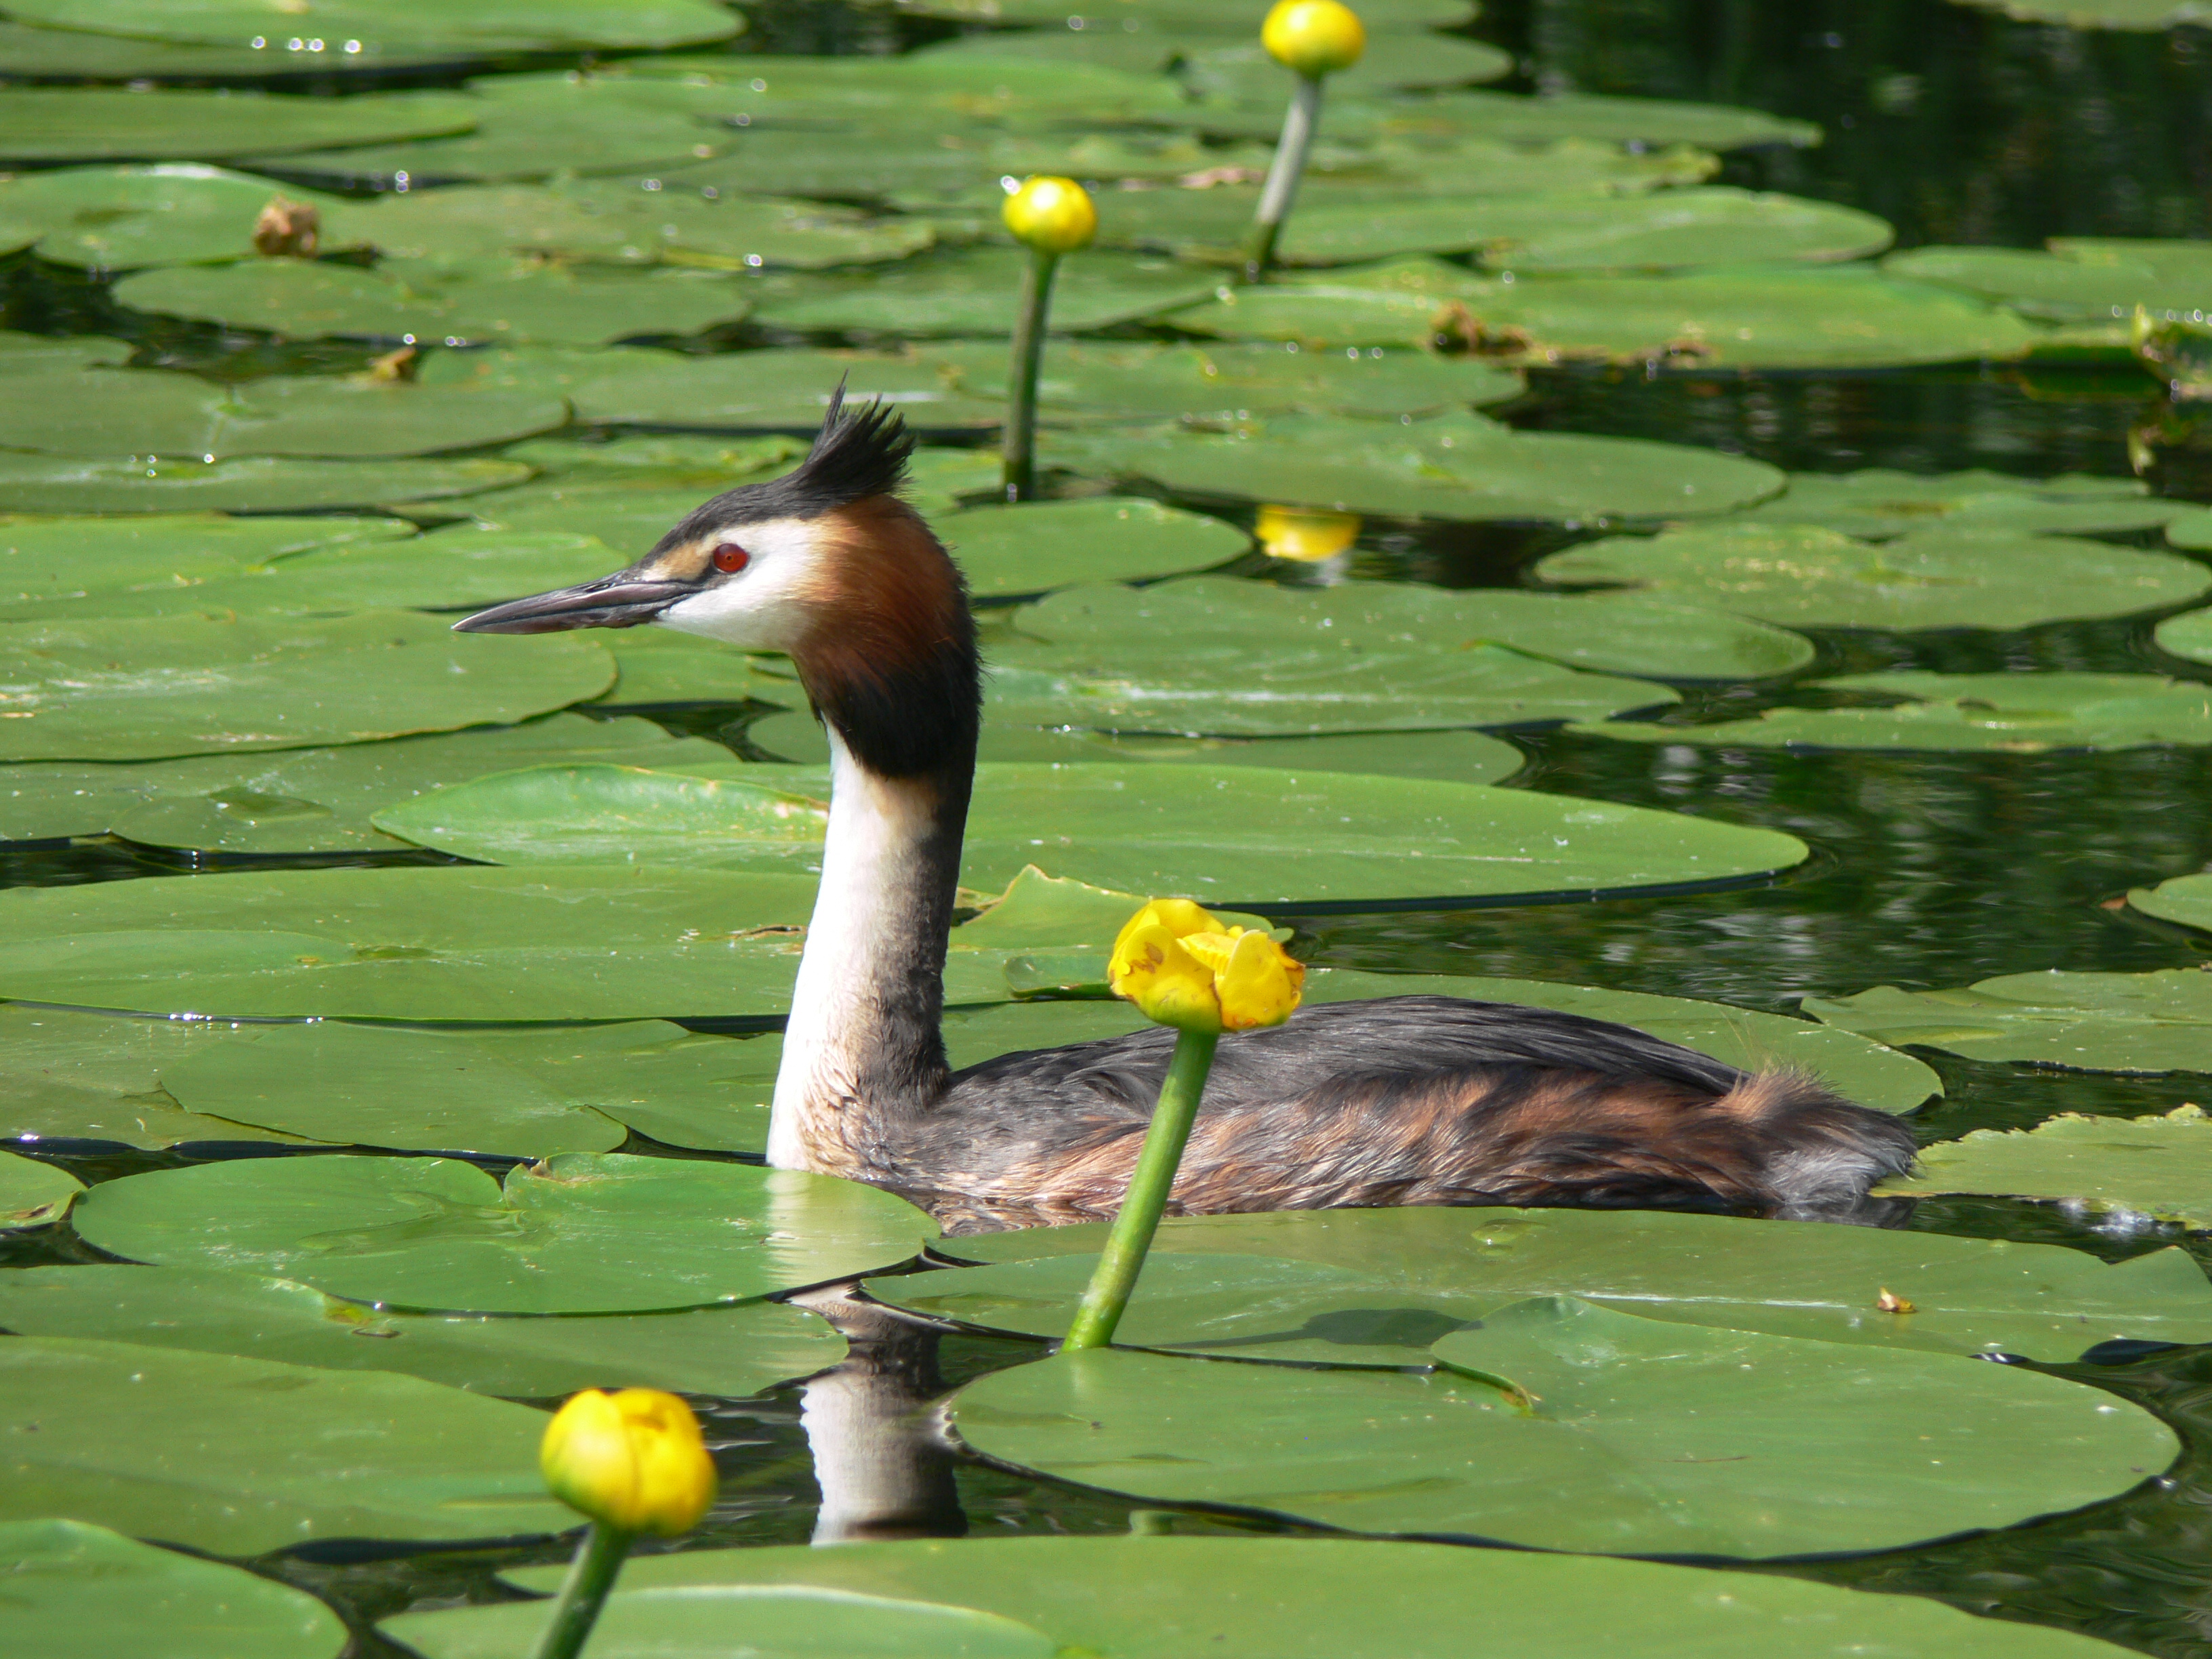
<point x="1401" y="1100"/>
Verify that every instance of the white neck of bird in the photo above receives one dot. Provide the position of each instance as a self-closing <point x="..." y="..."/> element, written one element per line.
<point x="863" y="1049"/>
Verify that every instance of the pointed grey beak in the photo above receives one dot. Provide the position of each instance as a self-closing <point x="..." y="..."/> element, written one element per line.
<point x="614" y="601"/>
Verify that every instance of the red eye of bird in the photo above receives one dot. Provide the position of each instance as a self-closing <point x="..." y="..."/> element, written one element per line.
<point x="730" y="558"/>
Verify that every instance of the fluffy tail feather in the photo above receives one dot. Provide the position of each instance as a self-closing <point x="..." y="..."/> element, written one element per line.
<point x="1826" y="1151"/>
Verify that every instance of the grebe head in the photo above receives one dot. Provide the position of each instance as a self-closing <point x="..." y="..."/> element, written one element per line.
<point x="826" y="564"/>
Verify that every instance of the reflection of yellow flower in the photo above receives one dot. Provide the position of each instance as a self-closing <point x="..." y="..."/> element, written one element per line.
<point x="1306" y="534"/>
<point x="1314" y="37"/>
<point x="1182" y="968"/>
<point x="1052" y="215"/>
<point x="633" y="1461"/>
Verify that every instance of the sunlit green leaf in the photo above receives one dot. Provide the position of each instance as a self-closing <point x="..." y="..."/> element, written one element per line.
<point x="2155" y="1022"/>
<point x="32" y="1194"/>
<point x="43" y="484"/>
<point x="82" y="123"/>
<point x="1009" y="550"/>
<point x="127" y="218"/>
<point x="365" y="31"/>
<point x="2156" y="1166"/>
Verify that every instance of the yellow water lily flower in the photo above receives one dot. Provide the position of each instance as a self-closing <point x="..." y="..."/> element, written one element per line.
<point x="1184" y="968"/>
<point x="1052" y="215"/>
<point x="633" y="1461"/>
<point x="1314" y="37"/>
<point x="1306" y="534"/>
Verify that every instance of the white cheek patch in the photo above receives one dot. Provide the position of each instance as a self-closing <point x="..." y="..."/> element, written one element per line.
<point x="764" y="606"/>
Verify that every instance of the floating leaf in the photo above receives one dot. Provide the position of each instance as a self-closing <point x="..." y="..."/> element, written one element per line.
<point x="2188" y="635"/>
<point x="84" y="123"/>
<point x="30" y="53"/>
<point x="42" y="484"/>
<point x="1459" y="466"/>
<point x="32" y="1194"/>
<point x="305" y="800"/>
<point x="2184" y="899"/>
<point x="77" y="1077"/>
<point x="1216" y="16"/>
<point x="1644" y="1437"/>
<point x="1520" y="119"/>
<point x="2156" y="1166"/>
<point x="1253" y="838"/>
<point x="1006" y="551"/>
<point x="2096" y="13"/>
<point x="658" y="665"/>
<point x="2005" y="714"/>
<point x="1773" y="317"/>
<point x="1341" y="1598"/>
<point x="1791" y="1279"/>
<point x="130" y="691"/>
<point x="581" y="1233"/>
<point x="727" y="1351"/>
<point x="2080" y="279"/>
<point x="2155" y="1022"/>
<point x="1812" y="578"/>
<point x="974" y="291"/>
<point x="78" y="1590"/>
<point x="1878" y="502"/>
<point x="248" y="1452"/>
<point x="362" y="32"/>
<point x="786" y="1622"/>
<point x="131" y="217"/>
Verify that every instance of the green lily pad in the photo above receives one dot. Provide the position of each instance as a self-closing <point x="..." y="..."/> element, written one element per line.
<point x="1768" y="317"/>
<point x="1451" y="757"/>
<point x="131" y="217"/>
<point x="250" y="1450"/>
<point x="41" y="352"/>
<point x="43" y="484"/>
<point x="2190" y="528"/>
<point x="1520" y="119"/>
<point x="2155" y="1022"/>
<point x="1790" y="1278"/>
<point x="1808" y="577"/>
<point x="82" y="123"/>
<point x="1667" y="230"/>
<point x="734" y="391"/>
<point x="581" y="1233"/>
<point x="1877" y="503"/>
<point x="1097" y="380"/>
<point x="32" y="1194"/>
<point x="2081" y="279"/>
<point x="31" y="53"/>
<point x="365" y="31"/>
<point x="658" y="665"/>
<point x="1217" y="16"/>
<point x="975" y="291"/>
<point x="2184" y="899"/>
<point x="580" y="513"/>
<point x="1386" y="628"/>
<point x="727" y="1351"/>
<point x="2158" y="1166"/>
<point x="76" y="1591"/>
<point x="2188" y="635"/>
<point x="305" y="800"/>
<point x="1006" y="551"/>
<point x="779" y="1622"/>
<point x="2000" y="714"/>
<point x="143" y="689"/>
<point x="923" y="89"/>
<point x="1251" y="837"/>
<point x="1460" y="466"/>
<point x="1645" y="1437"/>
<point x="418" y="944"/>
<point x="1340" y="1598"/>
<point x="2096" y="13"/>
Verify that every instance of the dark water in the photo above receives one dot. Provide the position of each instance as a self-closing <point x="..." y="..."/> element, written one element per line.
<point x="1957" y="125"/>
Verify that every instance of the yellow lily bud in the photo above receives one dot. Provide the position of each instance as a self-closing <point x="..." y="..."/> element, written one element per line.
<point x="1052" y="215"/>
<point x="633" y="1461"/>
<point x="1314" y="37"/>
<point x="1304" y="534"/>
<point x="1182" y="968"/>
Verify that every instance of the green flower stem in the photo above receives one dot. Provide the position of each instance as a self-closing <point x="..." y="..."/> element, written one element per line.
<point x="1021" y="401"/>
<point x="590" y="1576"/>
<point x="1140" y="1217"/>
<point x="1300" y="122"/>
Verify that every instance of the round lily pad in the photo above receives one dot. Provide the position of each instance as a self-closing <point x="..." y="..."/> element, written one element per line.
<point x="1520" y="119"/>
<point x="728" y="1352"/>
<point x="1250" y="837"/>
<point x="1792" y="1279"/>
<point x="252" y="1452"/>
<point x="1877" y="502"/>
<point x="581" y="1233"/>
<point x="2184" y="899"/>
<point x="658" y="665"/>
<point x="1613" y="1433"/>
<point x="372" y="31"/>
<point x="75" y="1591"/>
<point x="129" y="217"/>
<point x="1814" y="578"/>
<point x="1377" y="631"/>
<point x="588" y="942"/>
<point x="2003" y="714"/>
<point x="32" y="1194"/>
<point x="2158" y="1166"/>
<point x="44" y="483"/>
<point x="2188" y="635"/>
<point x="33" y="54"/>
<point x="780" y="1622"/>
<point x="975" y="291"/>
<point x="66" y="1076"/>
<point x="2155" y="1022"/>
<point x="1006" y="551"/>
<point x="1340" y="1598"/>
<point x="2078" y="281"/>
<point x="130" y="690"/>
<point x="1453" y="467"/>
<point x="305" y="800"/>
<point x="83" y="124"/>
<point x="1665" y="230"/>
